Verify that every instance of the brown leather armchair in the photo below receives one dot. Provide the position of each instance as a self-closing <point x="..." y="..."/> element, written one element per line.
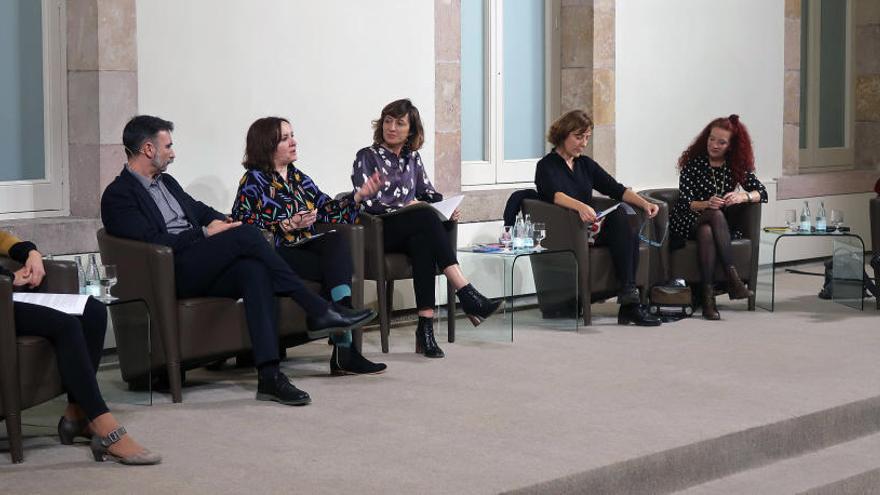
<point x="874" y="213"/>
<point x="28" y="367"/>
<point x="187" y="333"/>
<point x="682" y="263"/>
<point x="385" y="268"/>
<point x="565" y="230"/>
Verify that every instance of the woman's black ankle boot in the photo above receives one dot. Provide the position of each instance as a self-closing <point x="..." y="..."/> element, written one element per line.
<point x="425" y="342"/>
<point x="475" y="305"/>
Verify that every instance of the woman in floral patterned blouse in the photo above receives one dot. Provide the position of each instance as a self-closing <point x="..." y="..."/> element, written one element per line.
<point x="419" y="233"/>
<point x="277" y="197"/>
<point x="713" y="167"/>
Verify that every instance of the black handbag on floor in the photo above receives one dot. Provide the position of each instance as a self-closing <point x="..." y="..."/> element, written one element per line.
<point x="672" y="300"/>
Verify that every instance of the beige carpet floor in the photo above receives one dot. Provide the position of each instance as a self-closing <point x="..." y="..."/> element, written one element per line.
<point x="492" y="416"/>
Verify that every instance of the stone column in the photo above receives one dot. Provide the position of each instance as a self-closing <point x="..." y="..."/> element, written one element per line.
<point x="102" y="95"/>
<point x="791" y="110"/>
<point x="447" y="96"/>
<point x="576" y="50"/>
<point x="604" y="116"/>
<point x="867" y="84"/>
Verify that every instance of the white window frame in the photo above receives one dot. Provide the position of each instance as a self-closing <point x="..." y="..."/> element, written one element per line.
<point x="48" y="196"/>
<point x="495" y="171"/>
<point x="812" y="158"/>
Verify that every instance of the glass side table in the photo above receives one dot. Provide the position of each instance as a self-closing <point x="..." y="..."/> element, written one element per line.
<point x="132" y="329"/>
<point x="555" y="275"/>
<point x="848" y="255"/>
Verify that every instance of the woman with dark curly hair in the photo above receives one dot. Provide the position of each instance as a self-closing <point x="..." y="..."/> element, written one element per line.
<point x="717" y="172"/>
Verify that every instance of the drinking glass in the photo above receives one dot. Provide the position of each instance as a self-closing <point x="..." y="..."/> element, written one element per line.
<point x="836" y="217"/>
<point x="106" y="280"/>
<point x="791" y="220"/>
<point x="506" y="239"/>
<point x="540" y="232"/>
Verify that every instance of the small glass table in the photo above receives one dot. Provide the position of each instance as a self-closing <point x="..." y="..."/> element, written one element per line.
<point x="132" y="329"/>
<point x="555" y="276"/>
<point x="848" y="257"/>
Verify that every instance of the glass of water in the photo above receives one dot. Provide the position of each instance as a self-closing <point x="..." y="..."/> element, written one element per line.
<point x="791" y="220"/>
<point x="836" y="217"/>
<point x="106" y="280"/>
<point x="506" y="239"/>
<point x="540" y="232"/>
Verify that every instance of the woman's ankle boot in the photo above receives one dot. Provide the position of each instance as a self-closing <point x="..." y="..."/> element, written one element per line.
<point x="710" y="312"/>
<point x="475" y="305"/>
<point x="736" y="289"/>
<point x="425" y="342"/>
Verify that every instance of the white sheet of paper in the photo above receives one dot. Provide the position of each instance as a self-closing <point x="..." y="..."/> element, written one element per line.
<point x="605" y="212"/>
<point x="446" y="207"/>
<point x="72" y="304"/>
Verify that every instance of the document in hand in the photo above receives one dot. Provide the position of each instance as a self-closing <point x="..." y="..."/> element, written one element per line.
<point x="446" y="207"/>
<point x="72" y="304"/>
<point x="602" y="213"/>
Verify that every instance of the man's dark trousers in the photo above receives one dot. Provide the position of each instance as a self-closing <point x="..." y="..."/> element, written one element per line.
<point x="239" y="263"/>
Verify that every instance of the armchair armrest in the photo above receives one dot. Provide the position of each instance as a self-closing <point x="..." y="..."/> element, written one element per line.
<point x="146" y="271"/>
<point x="10" y="393"/>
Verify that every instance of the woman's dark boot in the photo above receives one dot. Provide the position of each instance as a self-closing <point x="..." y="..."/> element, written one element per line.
<point x="710" y="312"/>
<point x="736" y="289"/>
<point x="475" y="305"/>
<point x="425" y="342"/>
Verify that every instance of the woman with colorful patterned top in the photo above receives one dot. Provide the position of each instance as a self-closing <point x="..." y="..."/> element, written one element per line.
<point x="713" y="167"/>
<point x="78" y="343"/>
<point x="276" y="196"/>
<point x="419" y="233"/>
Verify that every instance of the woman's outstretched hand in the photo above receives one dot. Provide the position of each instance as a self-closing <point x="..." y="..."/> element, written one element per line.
<point x="369" y="189"/>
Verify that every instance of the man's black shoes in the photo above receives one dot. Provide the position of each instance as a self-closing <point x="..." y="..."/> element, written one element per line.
<point x="637" y="314"/>
<point x="279" y="389"/>
<point x="338" y="318"/>
<point x="348" y="361"/>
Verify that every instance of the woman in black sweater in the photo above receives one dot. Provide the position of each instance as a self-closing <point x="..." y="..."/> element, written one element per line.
<point x="567" y="178"/>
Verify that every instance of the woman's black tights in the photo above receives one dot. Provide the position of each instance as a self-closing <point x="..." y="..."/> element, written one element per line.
<point x="78" y="343"/>
<point x="713" y="241"/>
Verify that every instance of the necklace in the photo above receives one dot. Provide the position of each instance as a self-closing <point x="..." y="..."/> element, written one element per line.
<point x="718" y="187"/>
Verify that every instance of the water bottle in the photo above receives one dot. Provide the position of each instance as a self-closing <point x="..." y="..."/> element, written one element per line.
<point x="528" y="234"/>
<point x="93" y="278"/>
<point x="821" y="223"/>
<point x="80" y="274"/>
<point x="806" y="218"/>
<point x="518" y="228"/>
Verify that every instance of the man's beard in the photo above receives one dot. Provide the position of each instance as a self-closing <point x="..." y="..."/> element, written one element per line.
<point x="156" y="162"/>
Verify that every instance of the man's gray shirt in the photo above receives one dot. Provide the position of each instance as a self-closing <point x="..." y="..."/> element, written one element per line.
<point x="175" y="219"/>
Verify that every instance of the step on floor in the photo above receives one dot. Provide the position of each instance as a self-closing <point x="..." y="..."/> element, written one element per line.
<point x="821" y="472"/>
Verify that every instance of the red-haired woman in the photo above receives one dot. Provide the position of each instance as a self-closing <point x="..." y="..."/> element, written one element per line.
<point x="717" y="171"/>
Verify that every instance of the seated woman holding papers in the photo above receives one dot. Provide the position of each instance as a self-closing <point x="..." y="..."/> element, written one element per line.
<point x="417" y="232"/>
<point x="567" y="178"/>
<point x="278" y="197"/>
<point x="78" y="342"/>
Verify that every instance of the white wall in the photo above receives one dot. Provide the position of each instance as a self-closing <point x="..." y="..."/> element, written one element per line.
<point x="214" y="66"/>
<point x="679" y="65"/>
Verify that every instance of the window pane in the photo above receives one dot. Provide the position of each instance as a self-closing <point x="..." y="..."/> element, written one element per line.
<point x="473" y="81"/>
<point x="832" y="74"/>
<point x="523" y="79"/>
<point x="805" y="56"/>
<point x="21" y="90"/>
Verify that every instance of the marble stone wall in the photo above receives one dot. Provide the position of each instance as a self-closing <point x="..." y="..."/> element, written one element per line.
<point x="447" y="97"/>
<point x="867" y="84"/>
<point x="791" y="107"/>
<point x="604" y="142"/>
<point x="576" y="51"/>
